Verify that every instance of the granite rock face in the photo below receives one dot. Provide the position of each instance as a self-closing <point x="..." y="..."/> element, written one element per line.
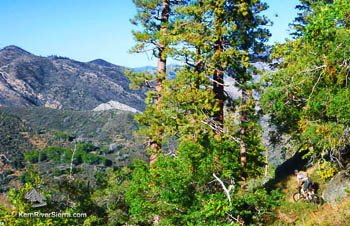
<point x="336" y="187"/>
<point x="114" y="105"/>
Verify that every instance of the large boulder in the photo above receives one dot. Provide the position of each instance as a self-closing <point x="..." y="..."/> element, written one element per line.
<point x="336" y="187"/>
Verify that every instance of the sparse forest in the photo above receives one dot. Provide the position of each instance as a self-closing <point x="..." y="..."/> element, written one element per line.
<point x="207" y="161"/>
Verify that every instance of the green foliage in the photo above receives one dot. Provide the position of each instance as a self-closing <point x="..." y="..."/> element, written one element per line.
<point x="54" y="153"/>
<point x="86" y="147"/>
<point x="178" y="187"/>
<point x="13" y="138"/>
<point x="20" y="205"/>
<point x="307" y="97"/>
<point x="107" y="162"/>
<point x="32" y="156"/>
<point x="63" y="155"/>
<point x="306" y="8"/>
<point x="327" y="170"/>
<point x="182" y="191"/>
<point x="63" y="136"/>
<point x="112" y="198"/>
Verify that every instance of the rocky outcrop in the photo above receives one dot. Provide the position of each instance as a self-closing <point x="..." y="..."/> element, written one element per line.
<point x="114" y="146"/>
<point x="114" y="105"/>
<point x="336" y="187"/>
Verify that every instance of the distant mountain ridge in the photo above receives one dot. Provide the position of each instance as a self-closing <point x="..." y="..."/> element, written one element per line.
<point x="62" y="83"/>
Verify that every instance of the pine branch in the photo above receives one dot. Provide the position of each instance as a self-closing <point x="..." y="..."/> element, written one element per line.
<point x="217" y="128"/>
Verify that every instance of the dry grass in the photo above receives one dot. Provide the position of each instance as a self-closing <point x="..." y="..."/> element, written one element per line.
<point x="38" y="141"/>
<point x="291" y="213"/>
<point x="3" y="198"/>
<point x="333" y="214"/>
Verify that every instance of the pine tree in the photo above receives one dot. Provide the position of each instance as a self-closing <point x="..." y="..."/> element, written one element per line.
<point x="305" y="10"/>
<point x="238" y="36"/>
<point x="215" y="44"/>
<point x="154" y="17"/>
<point x="215" y="38"/>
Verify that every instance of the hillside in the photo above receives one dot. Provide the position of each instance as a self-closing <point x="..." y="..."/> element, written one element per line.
<point x="105" y="138"/>
<point x="62" y="83"/>
<point x="20" y="126"/>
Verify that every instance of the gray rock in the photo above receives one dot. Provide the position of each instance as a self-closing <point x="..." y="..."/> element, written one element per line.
<point x="80" y="139"/>
<point x="336" y="187"/>
<point x="114" y="146"/>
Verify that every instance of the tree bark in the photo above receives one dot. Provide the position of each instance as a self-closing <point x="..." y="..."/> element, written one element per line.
<point x="218" y="86"/>
<point x="161" y="69"/>
<point x="243" y="133"/>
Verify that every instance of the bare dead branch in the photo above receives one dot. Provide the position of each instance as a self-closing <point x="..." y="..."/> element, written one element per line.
<point x="188" y="62"/>
<point x="224" y="187"/>
<point x="146" y="50"/>
<point x="313" y="88"/>
<point x="227" y="191"/>
<point x="217" y="128"/>
<point x="237" y="219"/>
<point x="314" y="69"/>
<point x="218" y="82"/>
<point x="71" y="162"/>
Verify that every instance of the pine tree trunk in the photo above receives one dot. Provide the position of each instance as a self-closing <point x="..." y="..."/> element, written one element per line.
<point x="218" y="87"/>
<point x="161" y="69"/>
<point x="243" y="133"/>
<point x="219" y="72"/>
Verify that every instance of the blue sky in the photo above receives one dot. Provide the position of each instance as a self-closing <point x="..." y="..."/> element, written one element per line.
<point x="89" y="29"/>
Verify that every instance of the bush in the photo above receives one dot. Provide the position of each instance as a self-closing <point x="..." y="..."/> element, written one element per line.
<point x="32" y="156"/>
<point x="54" y="153"/>
<point x="107" y="162"/>
<point x="91" y="158"/>
<point x="86" y="147"/>
<point x="57" y="172"/>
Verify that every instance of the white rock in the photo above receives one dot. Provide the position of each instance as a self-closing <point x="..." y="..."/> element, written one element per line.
<point x="114" y="105"/>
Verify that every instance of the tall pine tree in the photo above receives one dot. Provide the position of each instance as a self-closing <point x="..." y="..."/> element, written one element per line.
<point x="154" y="17"/>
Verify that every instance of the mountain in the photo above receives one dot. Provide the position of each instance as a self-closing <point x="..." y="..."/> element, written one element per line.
<point x="63" y="83"/>
<point x="146" y="68"/>
<point x="171" y="69"/>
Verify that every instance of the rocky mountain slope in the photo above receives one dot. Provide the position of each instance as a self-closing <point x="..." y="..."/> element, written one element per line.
<point x="62" y="83"/>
